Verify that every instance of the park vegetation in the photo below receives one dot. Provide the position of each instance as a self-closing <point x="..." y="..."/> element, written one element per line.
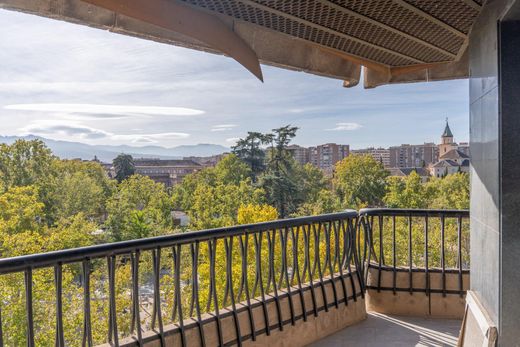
<point x="48" y="204"/>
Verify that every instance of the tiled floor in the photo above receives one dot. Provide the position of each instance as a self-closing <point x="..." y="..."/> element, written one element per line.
<point x="380" y="330"/>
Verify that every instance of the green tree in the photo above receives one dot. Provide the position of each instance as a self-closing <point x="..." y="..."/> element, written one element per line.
<point x="449" y="192"/>
<point x="24" y="163"/>
<point x="249" y="150"/>
<point x="138" y="200"/>
<point x="407" y="192"/>
<point x="279" y="179"/>
<point x="20" y="210"/>
<point x="212" y="197"/>
<point x="360" y="181"/>
<point x="124" y="166"/>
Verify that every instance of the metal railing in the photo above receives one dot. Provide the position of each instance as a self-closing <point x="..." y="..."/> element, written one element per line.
<point x="424" y="241"/>
<point x="183" y="275"/>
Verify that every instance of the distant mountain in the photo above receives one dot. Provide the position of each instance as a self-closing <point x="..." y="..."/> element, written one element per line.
<point x="106" y="153"/>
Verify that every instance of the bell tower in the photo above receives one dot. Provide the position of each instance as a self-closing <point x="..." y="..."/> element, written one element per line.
<point x="447" y="143"/>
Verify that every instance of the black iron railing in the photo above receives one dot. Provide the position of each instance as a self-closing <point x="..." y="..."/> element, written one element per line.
<point x="124" y="288"/>
<point x="425" y="241"/>
<point x="103" y="293"/>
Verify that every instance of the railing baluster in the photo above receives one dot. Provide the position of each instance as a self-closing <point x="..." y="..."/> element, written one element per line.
<point x="271" y="238"/>
<point x="212" y="248"/>
<point x="307" y="261"/>
<point x="443" y="265"/>
<point x="352" y="254"/>
<point x="58" y="282"/>
<point x="459" y="253"/>
<point x="394" y="257"/>
<point x="244" y="244"/>
<point x="156" y="313"/>
<point x="380" y="222"/>
<point x="260" y="281"/>
<point x="283" y="238"/>
<point x="317" y="262"/>
<point x="195" y="287"/>
<point x="228" y="244"/>
<point x="426" y="263"/>
<point x="29" y="307"/>
<point x="341" y="256"/>
<point x="328" y="263"/>
<point x="87" y="327"/>
<point x="296" y="269"/>
<point x="410" y="253"/>
<point x="176" y="251"/>
<point x="113" y="335"/>
<point x="136" y="314"/>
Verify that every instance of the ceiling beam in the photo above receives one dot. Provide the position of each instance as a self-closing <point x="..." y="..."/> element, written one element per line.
<point x="330" y="31"/>
<point x="430" y="18"/>
<point x="180" y="18"/>
<point x="386" y="27"/>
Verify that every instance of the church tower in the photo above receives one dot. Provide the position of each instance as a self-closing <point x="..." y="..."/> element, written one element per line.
<point x="447" y="143"/>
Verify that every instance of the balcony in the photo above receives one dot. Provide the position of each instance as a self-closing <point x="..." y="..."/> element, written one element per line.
<point x="349" y="278"/>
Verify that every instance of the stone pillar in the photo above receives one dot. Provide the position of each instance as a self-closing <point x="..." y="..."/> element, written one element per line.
<point x="495" y="173"/>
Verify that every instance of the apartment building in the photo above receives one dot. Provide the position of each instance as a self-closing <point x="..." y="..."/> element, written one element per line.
<point x="327" y="155"/>
<point x="407" y="155"/>
<point x="380" y="154"/>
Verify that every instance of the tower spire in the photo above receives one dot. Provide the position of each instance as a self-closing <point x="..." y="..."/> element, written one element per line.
<point x="447" y="131"/>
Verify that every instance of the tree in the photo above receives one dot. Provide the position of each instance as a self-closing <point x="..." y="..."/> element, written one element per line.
<point x="124" y="166"/>
<point x="360" y="181"/>
<point x="407" y="192"/>
<point x="80" y="187"/>
<point x="250" y="152"/>
<point x="449" y="192"/>
<point x="24" y="163"/>
<point x="20" y="210"/>
<point x="278" y="180"/>
<point x="231" y="170"/>
<point x="251" y="213"/>
<point x="138" y="200"/>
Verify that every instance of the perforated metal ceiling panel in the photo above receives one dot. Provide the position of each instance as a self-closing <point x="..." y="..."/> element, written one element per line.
<point x="389" y="32"/>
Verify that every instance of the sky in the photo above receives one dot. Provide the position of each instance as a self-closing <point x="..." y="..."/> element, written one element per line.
<point x="70" y="82"/>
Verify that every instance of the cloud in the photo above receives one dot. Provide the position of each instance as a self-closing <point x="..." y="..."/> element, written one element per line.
<point x="232" y="140"/>
<point x="346" y="127"/>
<point x="76" y="130"/>
<point x="49" y="128"/>
<point x="94" y="109"/>
<point x="223" y="127"/>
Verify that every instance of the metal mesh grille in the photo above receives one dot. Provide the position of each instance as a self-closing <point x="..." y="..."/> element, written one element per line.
<point x="323" y="23"/>
<point x="387" y="12"/>
<point x="449" y="11"/>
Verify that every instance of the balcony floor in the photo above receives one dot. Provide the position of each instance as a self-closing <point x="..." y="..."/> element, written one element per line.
<point x="380" y="330"/>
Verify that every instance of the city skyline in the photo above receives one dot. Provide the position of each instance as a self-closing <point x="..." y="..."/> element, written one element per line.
<point x="90" y="86"/>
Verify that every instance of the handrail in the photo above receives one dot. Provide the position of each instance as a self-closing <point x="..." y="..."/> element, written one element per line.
<point x="39" y="260"/>
<point x="413" y="212"/>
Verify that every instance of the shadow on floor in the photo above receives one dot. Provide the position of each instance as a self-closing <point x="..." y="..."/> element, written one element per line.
<point x="380" y="330"/>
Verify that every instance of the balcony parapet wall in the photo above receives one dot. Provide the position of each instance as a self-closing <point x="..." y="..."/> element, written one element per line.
<point x="324" y="316"/>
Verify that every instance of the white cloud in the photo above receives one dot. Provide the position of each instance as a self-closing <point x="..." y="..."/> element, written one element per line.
<point x="75" y="130"/>
<point x="232" y="140"/>
<point x="94" y="109"/>
<point x="223" y="127"/>
<point x="346" y="127"/>
<point x="60" y="128"/>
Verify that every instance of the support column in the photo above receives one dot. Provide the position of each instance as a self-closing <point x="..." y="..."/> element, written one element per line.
<point x="495" y="173"/>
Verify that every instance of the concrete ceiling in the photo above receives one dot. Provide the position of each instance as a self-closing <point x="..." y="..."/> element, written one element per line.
<point x="395" y="41"/>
